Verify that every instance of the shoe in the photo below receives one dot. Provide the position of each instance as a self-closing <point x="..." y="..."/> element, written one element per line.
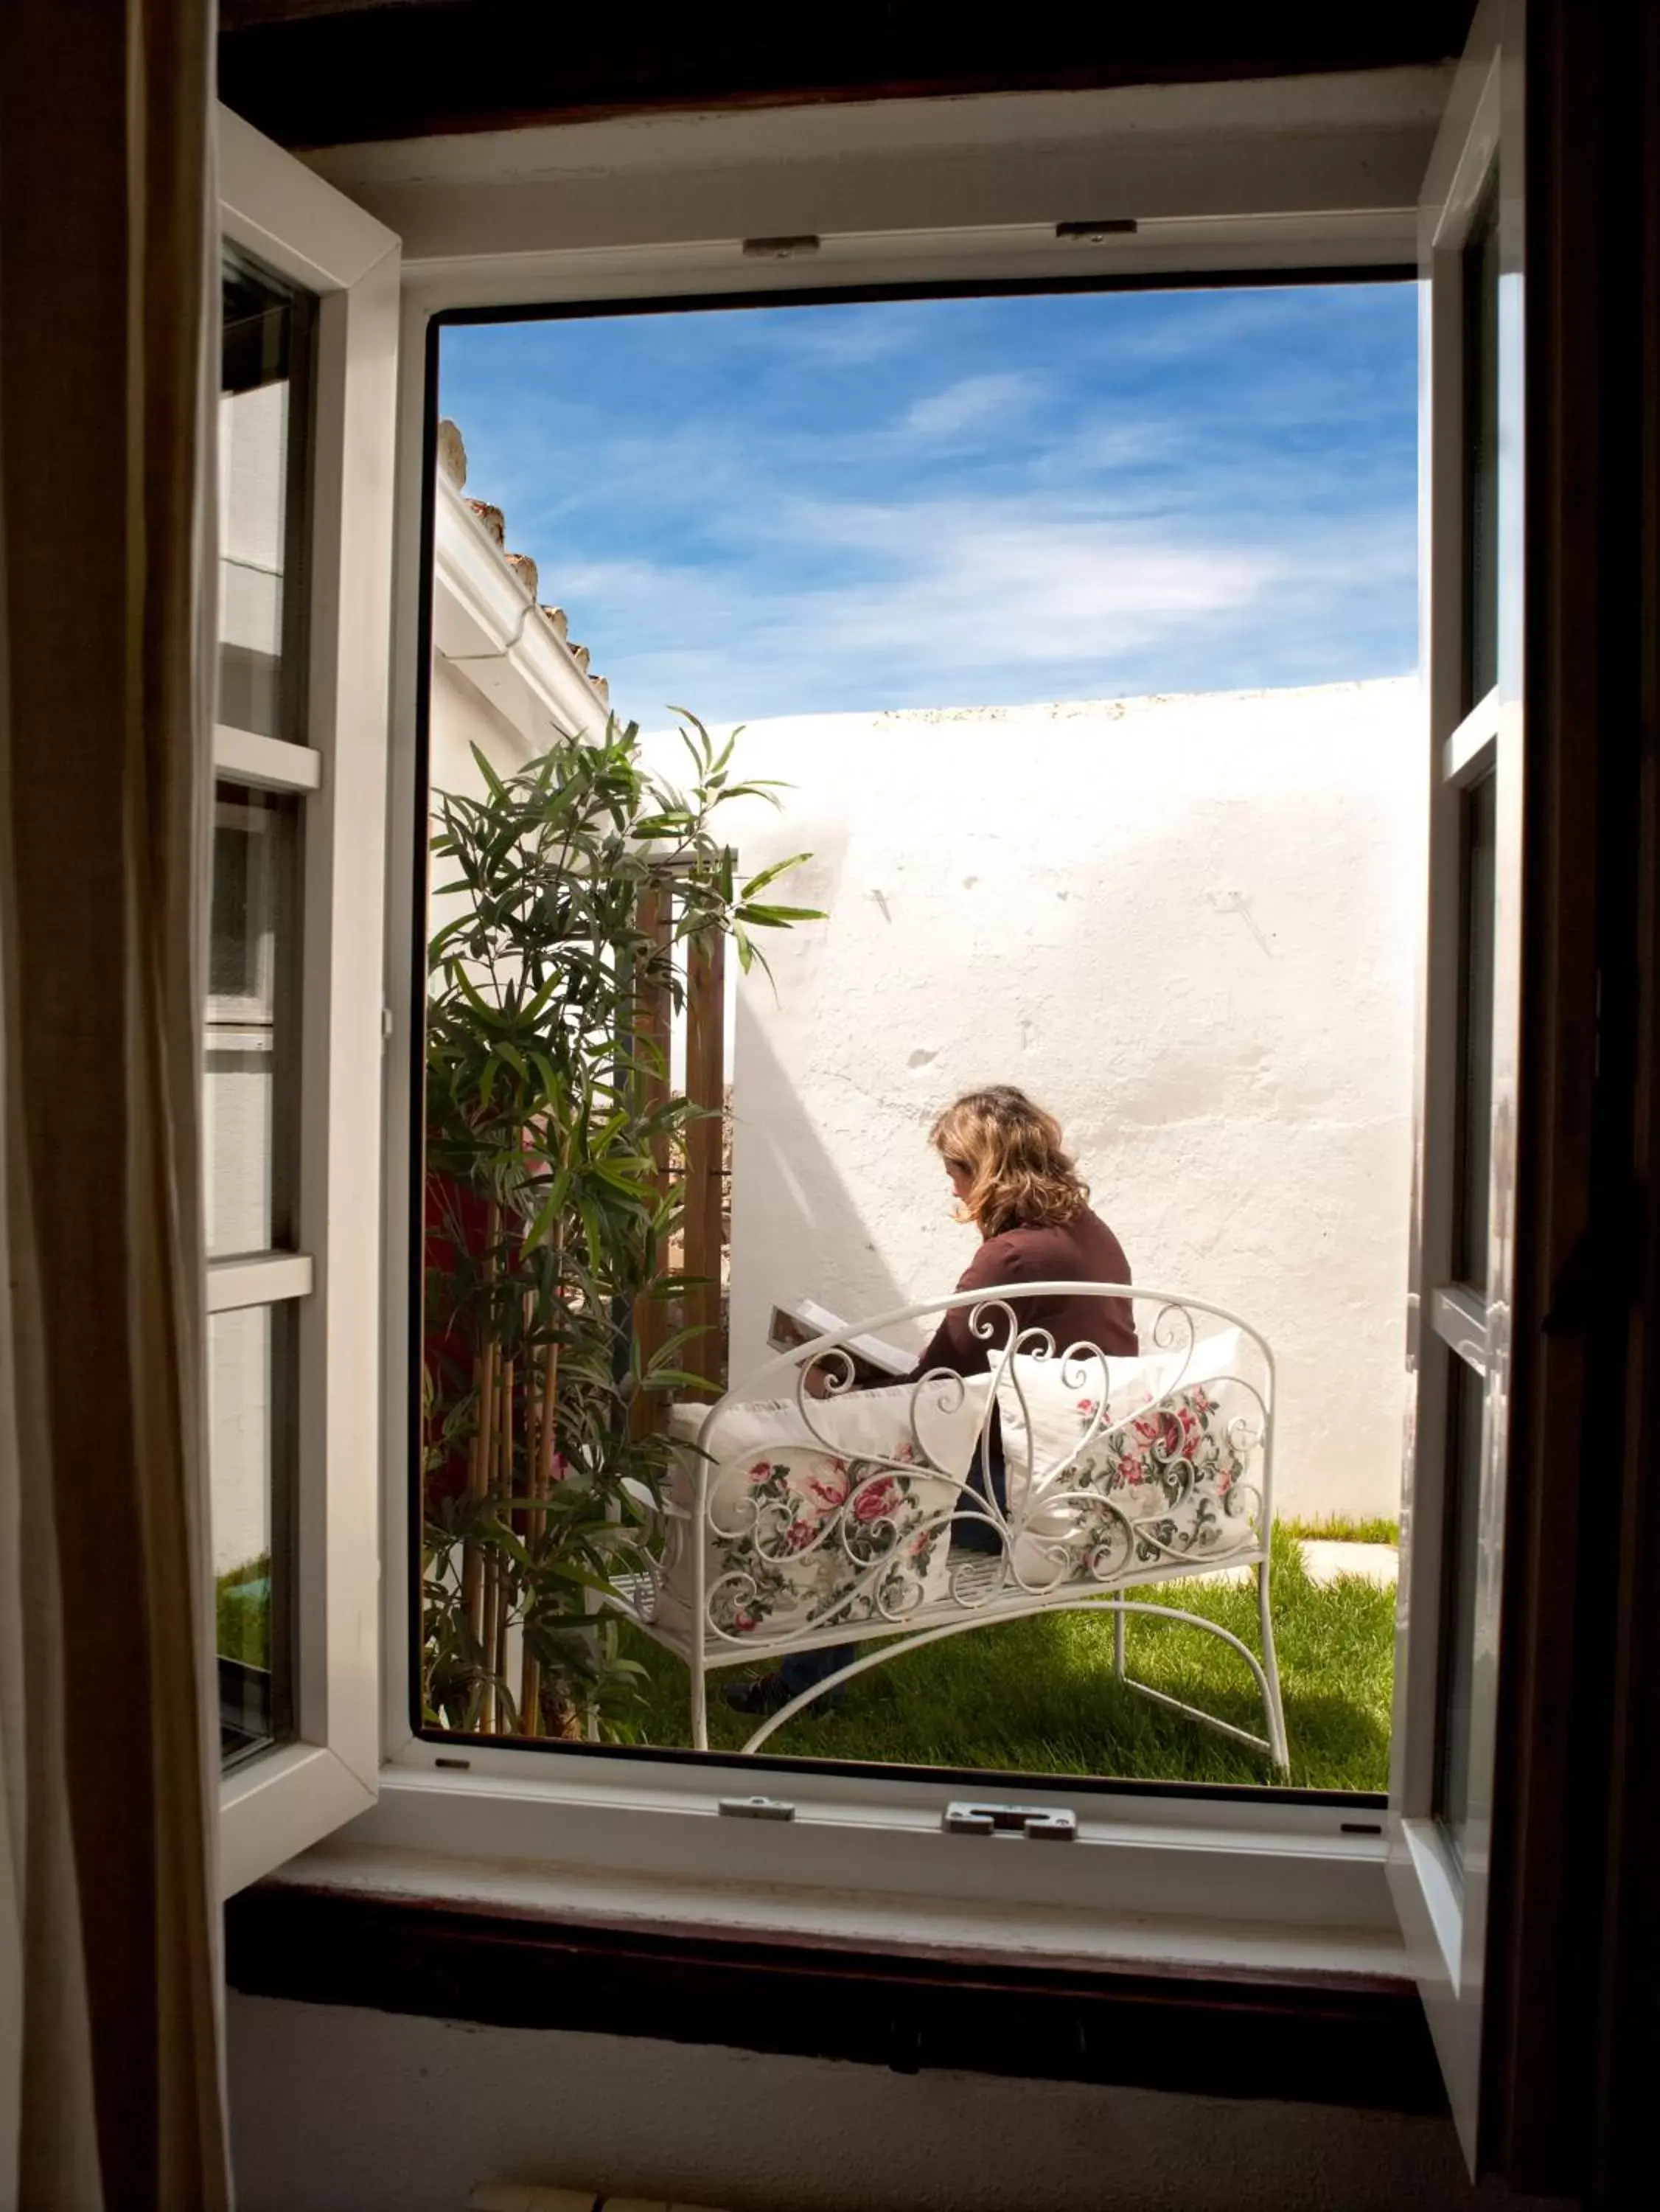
<point x="768" y="1694"/>
<point x="765" y="1694"/>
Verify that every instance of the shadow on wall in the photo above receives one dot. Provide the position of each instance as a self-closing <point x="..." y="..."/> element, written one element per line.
<point x="792" y="1208"/>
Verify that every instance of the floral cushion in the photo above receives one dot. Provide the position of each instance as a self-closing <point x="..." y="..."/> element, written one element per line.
<point x="1117" y="1465"/>
<point x="826" y="1514"/>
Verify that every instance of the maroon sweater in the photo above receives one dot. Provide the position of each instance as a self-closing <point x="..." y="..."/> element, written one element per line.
<point x="1081" y="1250"/>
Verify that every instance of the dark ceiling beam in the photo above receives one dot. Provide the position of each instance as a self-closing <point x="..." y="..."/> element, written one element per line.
<point x="334" y="72"/>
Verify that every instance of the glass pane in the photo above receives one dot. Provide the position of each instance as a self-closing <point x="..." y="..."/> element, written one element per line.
<point x="1460" y="1540"/>
<point x="262" y="423"/>
<point x="1482" y="454"/>
<point x="1202" y="1014"/>
<point x="250" y="1391"/>
<point x="250" y="1057"/>
<point x="1478" y="865"/>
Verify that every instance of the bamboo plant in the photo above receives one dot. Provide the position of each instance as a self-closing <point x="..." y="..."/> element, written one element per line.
<point x="573" y="892"/>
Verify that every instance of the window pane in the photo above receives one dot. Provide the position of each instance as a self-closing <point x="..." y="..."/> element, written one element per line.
<point x="1193" y="1010"/>
<point x="1478" y="864"/>
<point x="1481" y="455"/>
<point x="1460" y="1540"/>
<point x="251" y="1392"/>
<point x="262" y="423"/>
<point x="252" y="1045"/>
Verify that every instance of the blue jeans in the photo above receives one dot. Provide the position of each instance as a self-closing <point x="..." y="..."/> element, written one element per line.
<point x="802" y="1670"/>
<point x="979" y="1534"/>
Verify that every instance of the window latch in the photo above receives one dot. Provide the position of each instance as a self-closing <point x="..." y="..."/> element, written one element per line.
<point x="756" y="1808"/>
<point x="1042" y="1823"/>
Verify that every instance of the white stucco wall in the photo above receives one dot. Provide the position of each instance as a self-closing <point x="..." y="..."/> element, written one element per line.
<point x="1189" y="926"/>
<point x="460" y="718"/>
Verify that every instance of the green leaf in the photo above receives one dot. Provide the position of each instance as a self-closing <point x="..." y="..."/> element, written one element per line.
<point x="770" y="875"/>
<point x="498" y="789"/>
<point x="476" y="998"/>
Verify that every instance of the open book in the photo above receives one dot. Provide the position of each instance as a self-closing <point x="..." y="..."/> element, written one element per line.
<point x="802" y="1319"/>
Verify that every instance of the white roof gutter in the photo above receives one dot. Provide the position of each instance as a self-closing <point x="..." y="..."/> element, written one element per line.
<point x="489" y="629"/>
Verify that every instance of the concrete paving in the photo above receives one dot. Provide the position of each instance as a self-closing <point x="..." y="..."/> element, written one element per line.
<point x="1326" y="1561"/>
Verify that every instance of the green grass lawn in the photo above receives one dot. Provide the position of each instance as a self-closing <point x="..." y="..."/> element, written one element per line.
<point x="1037" y="1696"/>
<point x="1337" y="1529"/>
<point x="242" y="1606"/>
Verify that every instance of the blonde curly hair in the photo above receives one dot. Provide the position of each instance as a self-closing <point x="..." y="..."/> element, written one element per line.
<point x="1019" y="1167"/>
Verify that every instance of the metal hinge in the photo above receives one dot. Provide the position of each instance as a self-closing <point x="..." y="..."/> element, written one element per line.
<point x="1042" y="1823"/>
<point x="756" y="1808"/>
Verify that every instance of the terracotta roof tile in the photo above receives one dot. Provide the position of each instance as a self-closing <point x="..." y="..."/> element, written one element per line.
<point x="452" y="461"/>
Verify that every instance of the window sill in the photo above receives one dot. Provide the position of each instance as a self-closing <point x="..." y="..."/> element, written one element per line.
<point x="1237" y="1884"/>
<point x="1330" y="2018"/>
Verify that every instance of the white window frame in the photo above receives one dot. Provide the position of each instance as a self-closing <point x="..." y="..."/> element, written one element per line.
<point x="1444" y="1906"/>
<point x="281" y="1800"/>
<point x="1324" y="173"/>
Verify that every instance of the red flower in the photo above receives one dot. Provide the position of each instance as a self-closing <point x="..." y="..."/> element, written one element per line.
<point x="1175" y="1435"/>
<point x="875" y="1501"/>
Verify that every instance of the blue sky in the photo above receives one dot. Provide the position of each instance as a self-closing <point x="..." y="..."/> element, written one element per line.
<point x="796" y="510"/>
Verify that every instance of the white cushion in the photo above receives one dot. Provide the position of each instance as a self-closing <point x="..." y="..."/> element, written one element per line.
<point x="833" y="1512"/>
<point x="1170" y="1445"/>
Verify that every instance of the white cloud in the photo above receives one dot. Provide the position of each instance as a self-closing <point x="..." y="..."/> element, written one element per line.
<point x="969" y="603"/>
<point x="990" y="588"/>
<point x="970" y="401"/>
<point x="851" y="336"/>
<point x="1101" y="447"/>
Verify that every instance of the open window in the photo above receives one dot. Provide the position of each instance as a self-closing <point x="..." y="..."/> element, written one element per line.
<point x="1329" y="1885"/>
<point x="1442" y="1783"/>
<point x="292" y="1039"/>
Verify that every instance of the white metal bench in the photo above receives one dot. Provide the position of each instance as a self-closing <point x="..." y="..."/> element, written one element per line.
<point x="806" y="1512"/>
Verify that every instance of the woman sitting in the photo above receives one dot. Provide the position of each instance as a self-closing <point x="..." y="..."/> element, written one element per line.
<point x="1015" y="1181"/>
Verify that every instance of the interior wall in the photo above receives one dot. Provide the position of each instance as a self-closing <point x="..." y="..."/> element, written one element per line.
<point x="342" y="2110"/>
<point x="1190" y="927"/>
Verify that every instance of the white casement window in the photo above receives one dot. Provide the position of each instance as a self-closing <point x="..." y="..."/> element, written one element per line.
<point x="293" y="1041"/>
<point x="1240" y="1877"/>
<point x="1464" y="1245"/>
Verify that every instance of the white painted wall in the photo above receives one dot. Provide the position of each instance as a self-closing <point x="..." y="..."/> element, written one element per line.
<point x="1190" y="927"/>
<point x="341" y="2111"/>
<point x="463" y="717"/>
